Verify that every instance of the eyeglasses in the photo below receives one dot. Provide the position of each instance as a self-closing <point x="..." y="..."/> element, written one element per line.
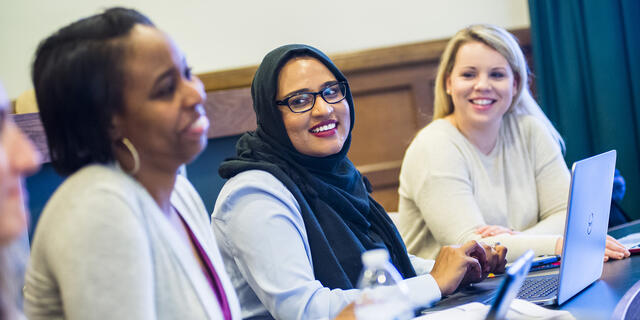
<point x="304" y="101"/>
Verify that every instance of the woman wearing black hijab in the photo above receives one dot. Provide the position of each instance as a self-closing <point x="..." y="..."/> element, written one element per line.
<point x="296" y="215"/>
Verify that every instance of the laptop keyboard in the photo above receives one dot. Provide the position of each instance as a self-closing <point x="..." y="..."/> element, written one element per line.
<point x="538" y="287"/>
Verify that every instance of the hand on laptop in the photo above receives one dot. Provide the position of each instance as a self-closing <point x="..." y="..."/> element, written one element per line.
<point x="471" y="262"/>
<point x="455" y="264"/>
<point x="613" y="249"/>
<point x="493" y="230"/>
<point x="496" y="258"/>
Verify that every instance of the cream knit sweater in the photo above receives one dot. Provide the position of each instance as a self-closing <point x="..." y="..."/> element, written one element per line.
<point x="448" y="188"/>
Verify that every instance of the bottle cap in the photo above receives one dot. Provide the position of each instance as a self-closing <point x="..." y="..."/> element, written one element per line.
<point x="375" y="257"/>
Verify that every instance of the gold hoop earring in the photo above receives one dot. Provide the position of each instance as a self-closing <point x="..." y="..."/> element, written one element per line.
<point x="134" y="154"/>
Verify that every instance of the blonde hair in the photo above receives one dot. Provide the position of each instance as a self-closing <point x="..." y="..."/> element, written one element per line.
<point x="507" y="45"/>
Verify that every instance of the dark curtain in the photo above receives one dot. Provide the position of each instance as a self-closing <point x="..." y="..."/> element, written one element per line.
<point x="587" y="72"/>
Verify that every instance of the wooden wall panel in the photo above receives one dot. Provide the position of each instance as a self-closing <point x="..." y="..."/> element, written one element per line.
<point x="385" y="123"/>
<point x="31" y="125"/>
<point x="391" y="105"/>
<point x="230" y="112"/>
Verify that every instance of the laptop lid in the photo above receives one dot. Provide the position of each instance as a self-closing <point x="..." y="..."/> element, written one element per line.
<point x="586" y="224"/>
<point x="512" y="282"/>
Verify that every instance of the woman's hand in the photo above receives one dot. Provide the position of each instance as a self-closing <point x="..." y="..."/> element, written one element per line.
<point x="457" y="264"/>
<point x="490" y="231"/>
<point x="559" y="244"/>
<point x="613" y="249"/>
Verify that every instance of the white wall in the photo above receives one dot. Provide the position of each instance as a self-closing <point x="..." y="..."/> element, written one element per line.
<point x="217" y="34"/>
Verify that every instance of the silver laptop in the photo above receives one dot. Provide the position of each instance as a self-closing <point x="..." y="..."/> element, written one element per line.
<point x="514" y="277"/>
<point x="585" y="233"/>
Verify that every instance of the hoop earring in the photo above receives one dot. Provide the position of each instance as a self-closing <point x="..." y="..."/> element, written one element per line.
<point x="134" y="154"/>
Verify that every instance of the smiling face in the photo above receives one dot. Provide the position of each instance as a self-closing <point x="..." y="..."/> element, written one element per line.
<point x="321" y="131"/>
<point x="18" y="158"/>
<point x="163" y="115"/>
<point x="481" y="85"/>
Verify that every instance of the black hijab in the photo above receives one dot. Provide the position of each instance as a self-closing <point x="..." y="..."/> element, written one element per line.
<point x="340" y="218"/>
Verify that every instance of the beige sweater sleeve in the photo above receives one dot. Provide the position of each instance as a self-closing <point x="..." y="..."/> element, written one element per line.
<point x="552" y="181"/>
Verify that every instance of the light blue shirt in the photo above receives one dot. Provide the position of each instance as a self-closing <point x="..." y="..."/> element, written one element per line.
<point x="264" y="245"/>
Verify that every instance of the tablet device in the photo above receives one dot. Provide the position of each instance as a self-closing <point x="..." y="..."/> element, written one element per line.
<point x="512" y="282"/>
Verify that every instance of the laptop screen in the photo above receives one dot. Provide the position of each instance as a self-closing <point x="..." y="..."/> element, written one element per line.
<point x="586" y="224"/>
<point x="512" y="282"/>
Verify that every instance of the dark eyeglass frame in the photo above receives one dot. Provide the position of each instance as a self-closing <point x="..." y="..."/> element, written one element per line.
<point x="340" y="84"/>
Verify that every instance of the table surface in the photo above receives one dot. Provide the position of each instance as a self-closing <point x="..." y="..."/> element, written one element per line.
<point x="597" y="301"/>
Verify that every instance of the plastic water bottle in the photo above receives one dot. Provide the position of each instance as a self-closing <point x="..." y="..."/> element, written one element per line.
<point x="383" y="295"/>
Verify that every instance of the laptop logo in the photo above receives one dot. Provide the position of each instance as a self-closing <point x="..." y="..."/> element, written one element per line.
<point x="590" y="223"/>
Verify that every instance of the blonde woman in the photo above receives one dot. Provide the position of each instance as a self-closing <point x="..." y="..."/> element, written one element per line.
<point x="490" y="164"/>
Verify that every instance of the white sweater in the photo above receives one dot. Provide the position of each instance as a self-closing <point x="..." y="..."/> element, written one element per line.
<point x="104" y="250"/>
<point x="448" y="188"/>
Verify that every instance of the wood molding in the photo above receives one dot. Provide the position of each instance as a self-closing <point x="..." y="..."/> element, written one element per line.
<point x="228" y="79"/>
<point x="352" y="61"/>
